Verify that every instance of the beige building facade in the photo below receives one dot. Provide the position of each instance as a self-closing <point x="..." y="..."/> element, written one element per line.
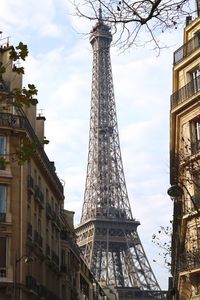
<point x="39" y="258"/>
<point x="185" y="165"/>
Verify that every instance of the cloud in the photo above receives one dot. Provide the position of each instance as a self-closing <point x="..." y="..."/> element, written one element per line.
<point x="28" y="16"/>
<point x="60" y="64"/>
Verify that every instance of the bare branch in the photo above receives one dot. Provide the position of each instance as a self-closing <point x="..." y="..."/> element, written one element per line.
<point x="127" y="18"/>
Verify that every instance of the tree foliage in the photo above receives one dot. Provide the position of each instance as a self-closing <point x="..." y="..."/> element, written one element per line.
<point x="135" y="22"/>
<point x="162" y="239"/>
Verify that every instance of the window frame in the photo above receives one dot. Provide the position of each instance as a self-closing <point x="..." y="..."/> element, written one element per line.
<point x="3" y="258"/>
<point x="195" y="134"/>
<point x="3" y="202"/>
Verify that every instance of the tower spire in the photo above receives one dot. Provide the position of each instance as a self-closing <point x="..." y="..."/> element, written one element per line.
<point x="198" y="7"/>
<point x="100" y="13"/>
<point x="107" y="233"/>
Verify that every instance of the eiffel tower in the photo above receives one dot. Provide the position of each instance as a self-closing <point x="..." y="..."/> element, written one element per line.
<point x="107" y="233"/>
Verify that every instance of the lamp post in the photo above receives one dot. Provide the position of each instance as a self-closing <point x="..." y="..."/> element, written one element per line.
<point x="27" y="260"/>
<point x="176" y="191"/>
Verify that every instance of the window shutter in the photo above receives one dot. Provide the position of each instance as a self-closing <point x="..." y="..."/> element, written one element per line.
<point x="2" y="252"/>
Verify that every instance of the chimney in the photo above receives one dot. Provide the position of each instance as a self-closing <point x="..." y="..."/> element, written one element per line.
<point x="40" y="127"/>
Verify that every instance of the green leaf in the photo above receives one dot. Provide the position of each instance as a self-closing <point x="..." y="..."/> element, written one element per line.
<point x="26" y="96"/>
<point x="18" y="70"/>
<point x="23" y="50"/>
<point x="19" y="52"/>
<point x="2" y="163"/>
<point x="2" y="68"/>
<point x="45" y="141"/>
<point x="26" y="151"/>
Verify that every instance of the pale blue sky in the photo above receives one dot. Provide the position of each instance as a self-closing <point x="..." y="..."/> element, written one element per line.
<point x="60" y="65"/>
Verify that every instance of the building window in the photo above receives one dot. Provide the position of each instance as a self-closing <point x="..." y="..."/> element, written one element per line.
<point x="52" y="238"/>
<point x="35" y="221"/>
<point x="195" y="80"/>
<point x="47" y="233"/>
<point x="29" y="167"/>
<point x="2" y="145"/>
<point x="3" y="196"/>
<point x="2" y="257"/>
<point x="35" y="176"/>
<point x="57" y="241"/>
<point x="52" y="202"/>
<point x="195" y="134"/>
<point x="47" y="196"/>
<point x="39" y="226"/>
<point x="39" y="182"/>
<point x="2" y="152"/>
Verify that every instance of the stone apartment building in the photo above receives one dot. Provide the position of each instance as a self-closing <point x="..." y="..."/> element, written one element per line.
<point x="39" y="258"/>
<point x="185" y="164"/>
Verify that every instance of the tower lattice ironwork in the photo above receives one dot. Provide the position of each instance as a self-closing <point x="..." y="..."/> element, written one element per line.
<point x="107" y="233"/>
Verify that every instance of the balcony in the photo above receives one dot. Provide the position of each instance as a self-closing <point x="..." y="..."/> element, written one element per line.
<point x="64" y="235"/>
<point x="186" y="49"/>
<point x="49" y="211"/>
<point x="63" y="268"/>
<point x="21" y="122"/>
<point x="39" y="195"/>
<point x="187" y="91"/>
<point x="2" y="272"/>
<point x="55" y="258"/>
<point x="37" y="238"/>
<point x="31" y="283"/>
<point x="39" y="289"/>
<point x="29" y="230"/>
<point x="190" y="261"/>
<point x="30" y="183"/>
<point x="2" y="217"/>
<point x="48" y="253"/>
<point x="56" y="219"/>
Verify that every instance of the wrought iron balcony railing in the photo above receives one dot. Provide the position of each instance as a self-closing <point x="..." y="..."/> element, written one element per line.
<point x="39" y="195"/>
<point x="30" y="183"/>
<point x="2" y="217"/>
<point x="185" y="92"/>
<point x="29" y="229"/>
<point x="37" y="238"/>
<point x="55" y="257"/>
<point x="31" y="283"/>
<point x="190" y="260"/>
<point x="63" y="268"/>
<point x="64" y="235"/>
<point x="21" y="122"/>
<point x="2" y="272"/>
<point x="48" y="252"/>
<point x="195" y="146"/>
<point x="39" y="289"/>
<point x="49" y="210"/>
<point x="186" y="49"/>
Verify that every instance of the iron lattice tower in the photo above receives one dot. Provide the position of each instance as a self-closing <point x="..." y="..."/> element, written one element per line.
<point x="107" y="233"/>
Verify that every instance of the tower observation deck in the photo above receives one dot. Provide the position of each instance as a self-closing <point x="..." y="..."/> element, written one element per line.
<point x="107" y="233"/>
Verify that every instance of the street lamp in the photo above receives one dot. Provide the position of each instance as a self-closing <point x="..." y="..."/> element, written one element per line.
<point x="176" y="191"/>
<point x="27" y="260"/>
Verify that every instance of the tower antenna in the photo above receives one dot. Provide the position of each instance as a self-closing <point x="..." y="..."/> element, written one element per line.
<point x="198" y="7"/>
<point x="100" y="12"/>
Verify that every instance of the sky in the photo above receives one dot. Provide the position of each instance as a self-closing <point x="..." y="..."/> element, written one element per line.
<point x="60" y="65"/>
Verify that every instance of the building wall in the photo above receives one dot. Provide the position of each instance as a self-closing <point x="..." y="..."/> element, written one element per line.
<point x="185" y="165"/>
<point x="39" y="258"/>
